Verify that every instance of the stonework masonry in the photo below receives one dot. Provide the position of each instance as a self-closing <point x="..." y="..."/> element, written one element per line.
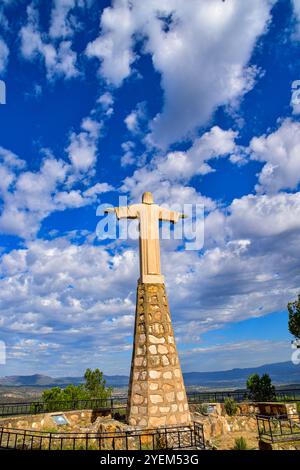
<point x="157" y="394"/>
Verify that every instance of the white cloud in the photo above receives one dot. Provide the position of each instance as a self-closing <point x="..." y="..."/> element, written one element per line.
<point x="98" y="188"/>
<point x="280" y="150"/>
<point x="60" y="60"/>
<point x="128" y="158"/>
<point x="296" y="6"/>
<point x="184" y="165"/>
<point x="211" y="40"/>
<point x="82" y="150"/>
<point x="106" y="100"/>
<point x="164" y="190"/>
<point x="265" y="216"/>
<point x="113" y="47"/>
<point x="29" y="197"/>
<point x="61" y="25"/>
<point x="134" y="119"/>
<point x="253" y="271"/>
<point x="167" y="175"/>
<point x="131" y="121"/>
<point x="10" y="159"/>
<point x="71" y="199"/>
<point x="4" y="53"/>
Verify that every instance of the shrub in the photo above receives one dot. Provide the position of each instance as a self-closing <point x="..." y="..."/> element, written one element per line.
<point x="203" y="409"/>
<point x="240" y="444"/>
<point x="230" y="406"/>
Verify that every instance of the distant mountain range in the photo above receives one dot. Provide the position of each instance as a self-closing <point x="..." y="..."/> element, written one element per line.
<point x="282" y="373"/>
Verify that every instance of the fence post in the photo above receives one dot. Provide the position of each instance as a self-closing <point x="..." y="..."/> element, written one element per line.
<point x="270" y="427"/>
<point x="291" y="426"/>
<point x="24" y="437"/>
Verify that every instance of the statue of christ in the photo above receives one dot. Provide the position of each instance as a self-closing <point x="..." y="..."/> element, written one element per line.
<point x="149" y="215"/>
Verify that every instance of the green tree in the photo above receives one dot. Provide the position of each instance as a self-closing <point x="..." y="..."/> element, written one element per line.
<point x="95" y="384"/>
<point x="260" y="388"/>
<point x="294" y="317"/>
<point x="94" y="387"/>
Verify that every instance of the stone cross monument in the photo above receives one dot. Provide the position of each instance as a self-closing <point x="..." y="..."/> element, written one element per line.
<point x="156" y="395"/>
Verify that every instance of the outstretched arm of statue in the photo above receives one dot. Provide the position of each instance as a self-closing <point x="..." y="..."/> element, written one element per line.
<point x="171" y="216"/>
<point x="127" y="212"/>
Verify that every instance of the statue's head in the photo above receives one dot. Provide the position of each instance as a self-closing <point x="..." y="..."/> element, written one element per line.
<point x="147" y="198"/>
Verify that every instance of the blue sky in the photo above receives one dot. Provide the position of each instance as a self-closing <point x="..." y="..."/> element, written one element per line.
<point x="191" y="100"/>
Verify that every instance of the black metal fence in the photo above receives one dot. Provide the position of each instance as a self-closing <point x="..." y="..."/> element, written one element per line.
<point x="278" y="428"/>
<point x="240" y="396"/>
<point x="37" y="407"/>
<point x="216" y="397"/>
<point x="117" y="404"/>
<point x="177" y="437"/>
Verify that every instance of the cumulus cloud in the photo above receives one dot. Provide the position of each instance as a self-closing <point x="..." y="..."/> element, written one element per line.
<point x="29" y="197"/>
<point x="211" y="40"/>
<point x="279" y="151"/>
<point x="280" y="213"/>
<point x="106" y="100"/>
<point x="251" y="272"/>
<point x="61" y="23"/>
<point x="4" y="52"/>
<point x="59" y="59"/>
<point x="134" y="119"/>
<point x="128" y="157"/>
<point x="213" y="144"/>
<point x="113" y="46"/>
<point x="71" y="287"/>
<point x="98" y="188"/>
<point x="168" y="175"/>
<point x="296" y="7"/>
<point x="165" y="190"/>
<point x="67" y="291"/>
<point x="82" y="150"/>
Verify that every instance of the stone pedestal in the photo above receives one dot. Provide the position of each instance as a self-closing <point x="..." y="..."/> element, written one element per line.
<point x="156" y="394"/>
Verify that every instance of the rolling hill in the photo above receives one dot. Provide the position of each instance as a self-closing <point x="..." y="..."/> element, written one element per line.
<point x="282" y="373"/>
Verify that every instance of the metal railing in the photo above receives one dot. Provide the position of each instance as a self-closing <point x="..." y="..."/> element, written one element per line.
<point x="278" y="428"/>
<point x="216" y="397"/>
<point x="176" y="437"/>
<point x="38" y="407"/>
<point x="240" y="396"/>
<point x="115" y="404"/>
